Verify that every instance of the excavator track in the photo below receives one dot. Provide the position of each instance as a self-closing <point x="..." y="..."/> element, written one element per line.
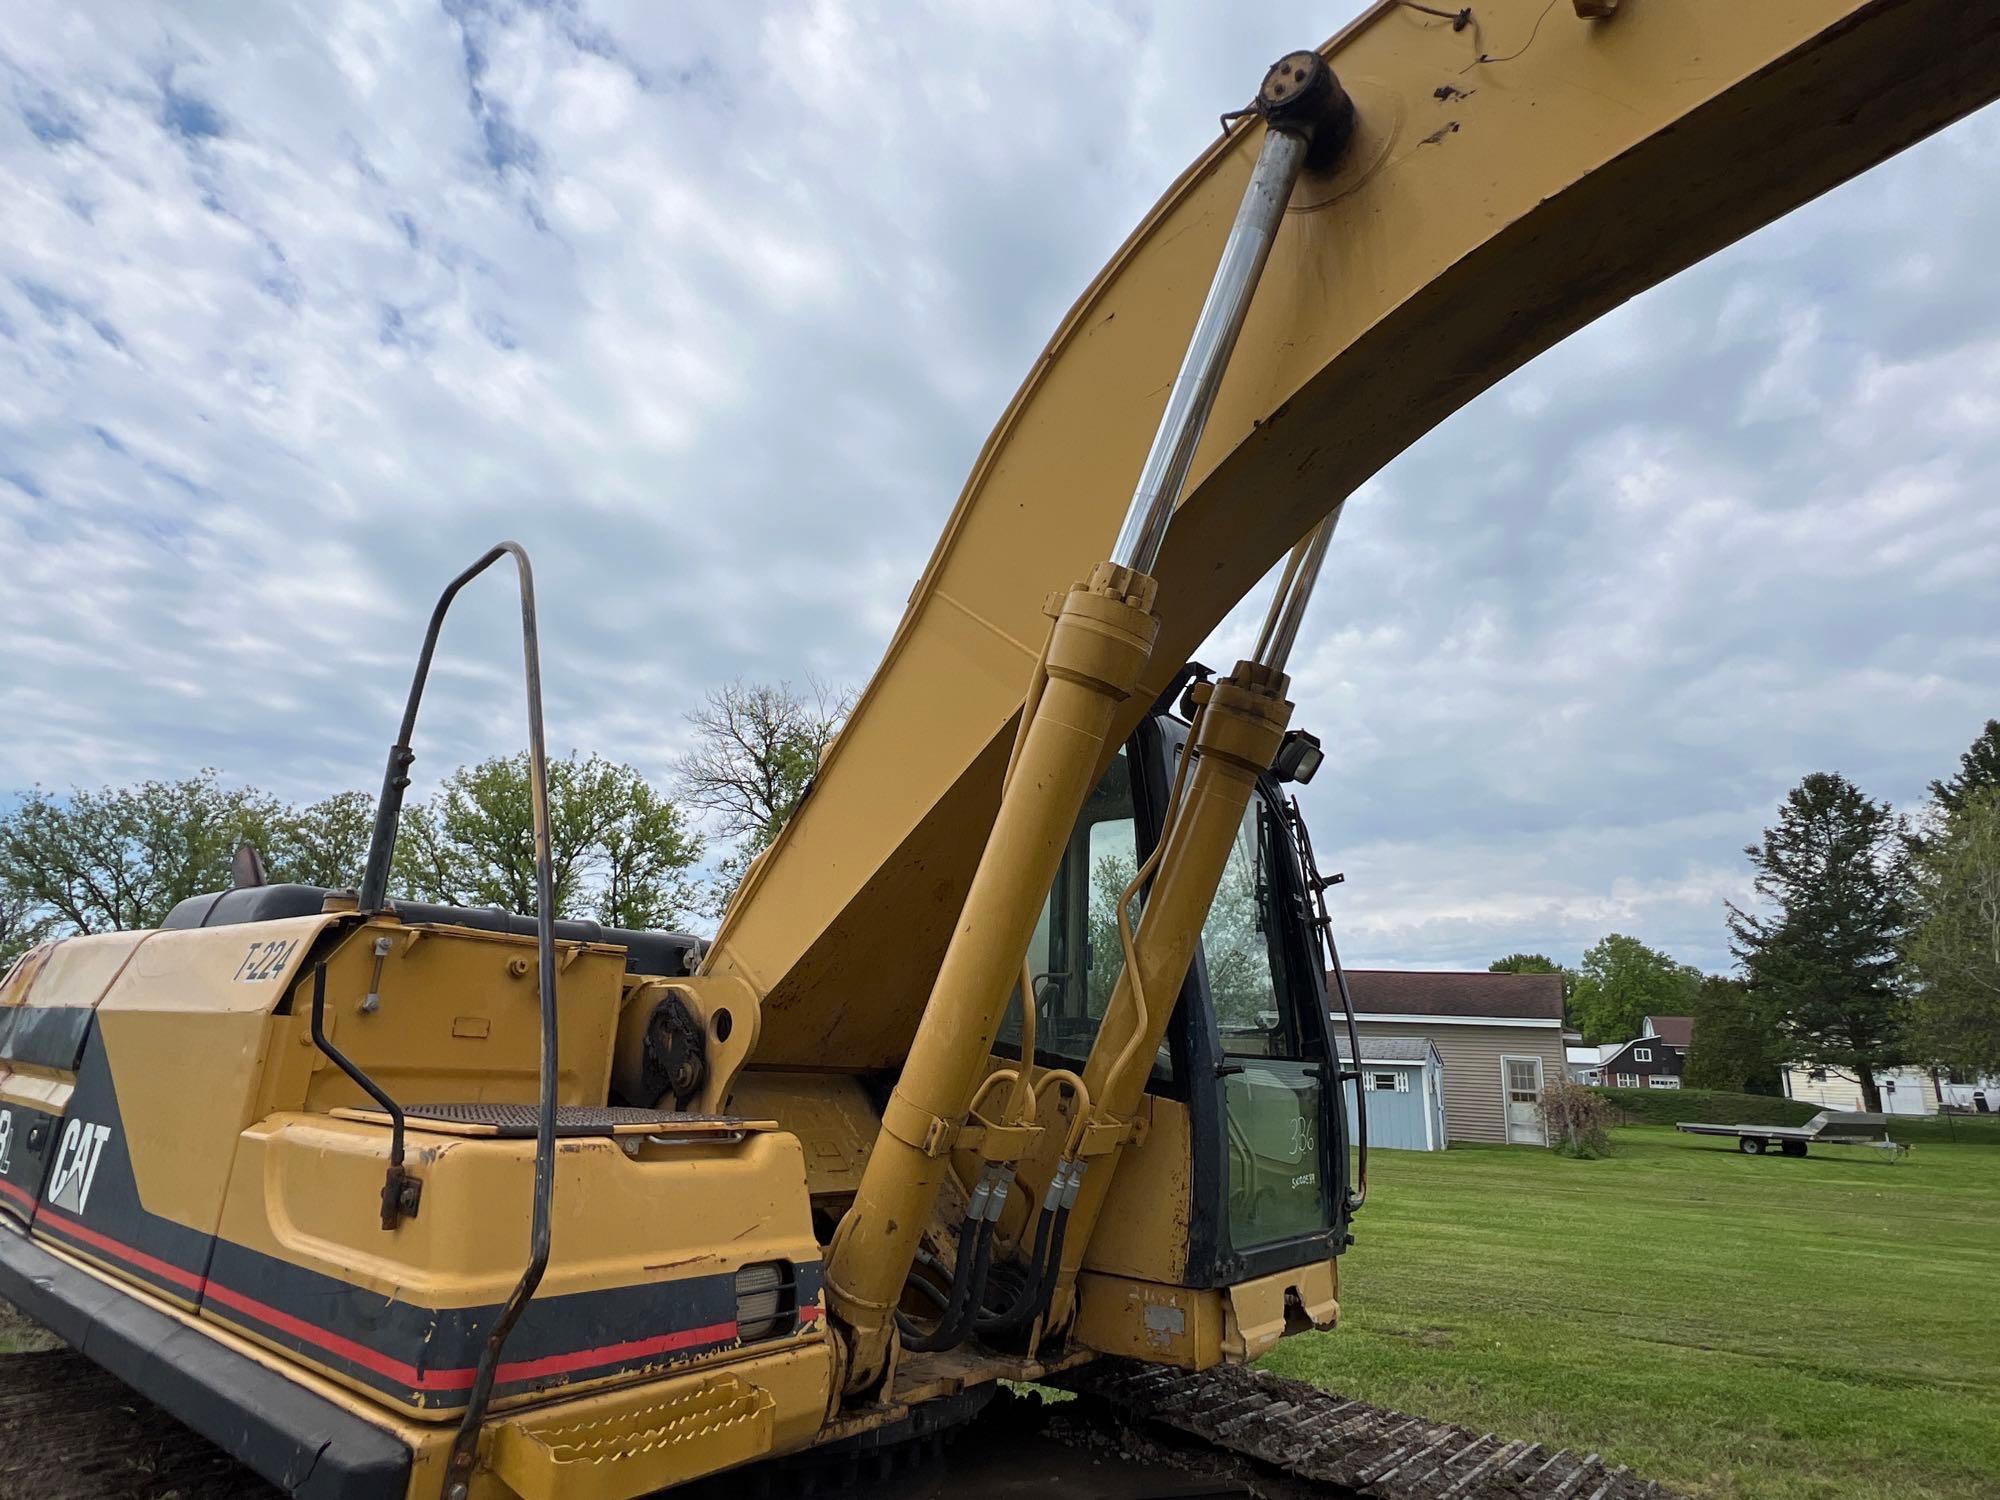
<point x="68" y="1431"/>
<point x="1349" y="1446"/>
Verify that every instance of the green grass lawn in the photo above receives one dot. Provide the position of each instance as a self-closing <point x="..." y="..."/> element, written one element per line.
<point x="1729" y="1325"/>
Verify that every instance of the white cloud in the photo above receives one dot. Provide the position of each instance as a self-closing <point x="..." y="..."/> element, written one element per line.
<point x="302" y="306"/>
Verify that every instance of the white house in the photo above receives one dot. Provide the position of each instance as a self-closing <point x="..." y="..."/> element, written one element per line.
<point x="1979" y="1096"/>
<point x="1586" y="1064"/>
<point x="1905" y="1091"/>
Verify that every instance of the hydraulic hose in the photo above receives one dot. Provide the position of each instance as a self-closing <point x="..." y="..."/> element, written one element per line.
<point x="1045" y="1264"/>
<point x="1052" y="1271"/>
<point x="1021" y="1305"/>
<point x="968" y="1281"/>
<point x="947" y="1331"/>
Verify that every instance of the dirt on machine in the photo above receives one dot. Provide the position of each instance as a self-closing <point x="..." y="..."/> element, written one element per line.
<point x="1012" y="1062"/>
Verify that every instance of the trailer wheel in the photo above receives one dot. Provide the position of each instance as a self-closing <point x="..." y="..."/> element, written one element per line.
<point x="1751" y="1145"/>
<point x="1794" y="1148"/>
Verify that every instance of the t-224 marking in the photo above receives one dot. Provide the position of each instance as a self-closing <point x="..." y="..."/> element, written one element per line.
<point x="266" y="960"/>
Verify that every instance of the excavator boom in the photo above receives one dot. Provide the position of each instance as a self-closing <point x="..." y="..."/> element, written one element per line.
<point x="1511" y="179"/>
<point x="1013" y="1053"/>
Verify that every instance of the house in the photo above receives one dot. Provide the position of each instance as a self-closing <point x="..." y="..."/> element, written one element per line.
<point x="1586" y="1062"/>
<point x="1905" y="1091"/>
<point x="1655" y="1059"/>
<point x="1979" y="1096"/>
<point x="1403" y="1079"/>
<point x="1498" y="1038"/>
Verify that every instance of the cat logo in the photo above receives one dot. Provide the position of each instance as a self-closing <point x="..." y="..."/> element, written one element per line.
<point x="6" y="1141"/>
<point x="76" y="1165"/>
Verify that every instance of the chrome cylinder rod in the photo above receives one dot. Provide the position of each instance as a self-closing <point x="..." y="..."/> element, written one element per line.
<point x="1215" y="333"/>
<point x="1295" y="588"/>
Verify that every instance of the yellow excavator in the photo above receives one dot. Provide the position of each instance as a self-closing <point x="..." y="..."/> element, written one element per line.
<point x="1015" y="1051"/>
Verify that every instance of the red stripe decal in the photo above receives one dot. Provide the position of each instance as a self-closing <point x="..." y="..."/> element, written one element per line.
<point x="461" y="1379"/>
<point x="22" y="1196"/>
<point x="382" y="1364"/>
<point x="152" y="1265"/>
<point x="562" y="1364"/>
<point x="333" y="1343"/>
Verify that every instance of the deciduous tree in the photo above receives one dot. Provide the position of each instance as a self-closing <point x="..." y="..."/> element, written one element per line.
<point x="121" y="857"/>
<point x="1736" y="1043"/>
<point x="756" y="749"/>
<point x="1622" y="981"/>
<point x="1834" y="870"/>
<point x="1954" y="952"/>
<point x="21" y="926"/>
<point x="618" y="850"/>
<point x="323" y="843"/>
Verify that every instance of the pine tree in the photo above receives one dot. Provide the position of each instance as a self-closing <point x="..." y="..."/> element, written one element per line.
<point x="1978" y="771"/>
<point x="1835" y="871"/>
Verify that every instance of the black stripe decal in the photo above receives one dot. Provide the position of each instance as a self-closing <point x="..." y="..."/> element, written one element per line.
<point x="46" y="1036"/>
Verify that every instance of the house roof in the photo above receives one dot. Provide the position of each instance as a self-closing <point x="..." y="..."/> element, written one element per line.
<point x="1384" y="1049"/>
<point x="1675" y="1031"/>
<point x="1419" y="992"/>
<point x="1590" y="1057"/>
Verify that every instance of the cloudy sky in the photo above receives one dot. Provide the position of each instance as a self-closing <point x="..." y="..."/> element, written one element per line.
<point x="712" y="306"/>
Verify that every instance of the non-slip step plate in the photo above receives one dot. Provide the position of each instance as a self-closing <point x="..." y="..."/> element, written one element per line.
<point x="713" y="1424"/>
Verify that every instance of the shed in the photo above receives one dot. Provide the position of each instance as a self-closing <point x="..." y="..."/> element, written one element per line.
<point x="1403" y="1077"/>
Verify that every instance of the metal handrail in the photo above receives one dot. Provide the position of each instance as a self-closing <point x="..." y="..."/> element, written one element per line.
<point x="1322" y="924"/>
<point x="374" y="898"/>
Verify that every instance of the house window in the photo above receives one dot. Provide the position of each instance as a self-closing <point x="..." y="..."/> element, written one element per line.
<point x="1628" y="1080"/>
<point x="1389" y="1083"/>
<point x="1663" y="1083"/>
<point x="1642" y="1054"/>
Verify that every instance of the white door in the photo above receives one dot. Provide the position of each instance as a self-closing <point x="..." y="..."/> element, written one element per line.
<point x="1523" y="1079"/>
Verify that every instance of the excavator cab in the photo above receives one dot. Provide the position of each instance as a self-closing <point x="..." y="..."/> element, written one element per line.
<point x="1248" y="1066"/>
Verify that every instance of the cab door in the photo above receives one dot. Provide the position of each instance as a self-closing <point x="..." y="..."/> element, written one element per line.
<point x="1276" y="1099"/>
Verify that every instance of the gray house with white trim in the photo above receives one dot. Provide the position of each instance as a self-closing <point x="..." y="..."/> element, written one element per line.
<point x="1499" y="1037"/>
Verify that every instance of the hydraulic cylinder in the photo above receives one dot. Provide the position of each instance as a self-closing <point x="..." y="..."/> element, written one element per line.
<point x="1236" y="735"/>
<point x="1238" y="728"/>
<point x="1097" y="649"/>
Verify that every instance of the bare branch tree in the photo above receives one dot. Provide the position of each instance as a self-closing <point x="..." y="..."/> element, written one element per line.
<point x="757" y="746"/>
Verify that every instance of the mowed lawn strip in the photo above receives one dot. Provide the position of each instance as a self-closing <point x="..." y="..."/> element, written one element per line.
<point x="1730" y="1325"/>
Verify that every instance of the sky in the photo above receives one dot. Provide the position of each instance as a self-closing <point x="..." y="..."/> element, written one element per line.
<point x="712" y="305"/>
